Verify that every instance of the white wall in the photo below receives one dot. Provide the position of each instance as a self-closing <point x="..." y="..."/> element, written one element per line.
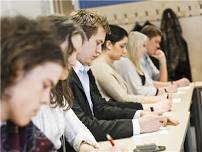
<point x="192" y="33"/>
<point x="190" y="13"/>
<point x="29" y="8"/>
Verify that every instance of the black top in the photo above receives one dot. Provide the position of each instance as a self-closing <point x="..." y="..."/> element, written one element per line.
<point x="142" y="78"/>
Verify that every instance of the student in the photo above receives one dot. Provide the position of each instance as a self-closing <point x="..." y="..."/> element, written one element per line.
<point x="64" y="122"/>
<point x="31" y="64"/>
<point x="113" y="49"/>
<point x="99" y="116"/>
<point x="130" y="69"/>
<point x="161" y="75"/>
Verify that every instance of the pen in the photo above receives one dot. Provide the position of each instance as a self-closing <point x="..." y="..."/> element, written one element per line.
<point x="110" y="139"/>
<point x="152" y="109"/>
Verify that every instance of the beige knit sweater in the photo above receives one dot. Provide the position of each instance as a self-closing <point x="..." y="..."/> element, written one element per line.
<point x="110" y="84"/>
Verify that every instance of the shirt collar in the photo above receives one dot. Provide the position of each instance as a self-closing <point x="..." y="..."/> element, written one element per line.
<point x="80" y="67"/>
<point x="2" y="123"/>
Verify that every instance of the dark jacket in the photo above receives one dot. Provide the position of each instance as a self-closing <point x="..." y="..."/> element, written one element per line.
<point x="113" y="118"/>
<point x="174" y="46"/>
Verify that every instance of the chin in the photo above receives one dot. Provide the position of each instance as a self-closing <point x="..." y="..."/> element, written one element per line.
<point x="22" y="123"/>
<point x="89" y="62"/>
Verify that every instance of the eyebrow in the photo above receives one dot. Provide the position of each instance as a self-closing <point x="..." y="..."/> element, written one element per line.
<point x="52" y="84"/>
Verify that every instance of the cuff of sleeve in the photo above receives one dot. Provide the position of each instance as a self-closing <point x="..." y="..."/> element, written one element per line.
<point x="146" y="106"/>
<point x="137" y="114"/>
<point x="83" y="137"/>
<point x="136" y="127"/>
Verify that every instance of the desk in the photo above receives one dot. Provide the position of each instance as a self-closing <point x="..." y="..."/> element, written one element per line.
<point x="174" y="140"/>
<point x="186" y="97"/>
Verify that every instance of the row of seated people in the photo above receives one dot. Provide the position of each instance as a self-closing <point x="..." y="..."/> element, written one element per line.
<point x="46" y="71"/>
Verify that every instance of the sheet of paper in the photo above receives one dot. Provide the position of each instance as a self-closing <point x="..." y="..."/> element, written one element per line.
<point x="177" y="100"/>
<point x="179" y="92"/>
<point x="163" y="130"/>
<point x="184" y="88"/>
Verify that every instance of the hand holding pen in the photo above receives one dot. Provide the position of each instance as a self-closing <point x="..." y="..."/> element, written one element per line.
<point x="110" y="139"/>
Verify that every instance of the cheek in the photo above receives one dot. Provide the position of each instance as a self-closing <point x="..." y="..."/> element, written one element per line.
<point x="150" y="48"/>
<point x="20" y="111"/>
<point x="117" y="54"/>
<point x="91" y="47"/>
<point x="153" y="45"/>
<point x="27" y="99"/>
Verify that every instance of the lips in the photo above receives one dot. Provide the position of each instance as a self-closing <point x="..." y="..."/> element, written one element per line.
<point x="93" y="57"/>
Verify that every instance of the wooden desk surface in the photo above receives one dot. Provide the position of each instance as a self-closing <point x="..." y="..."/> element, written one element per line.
<point x="174" y="139"/>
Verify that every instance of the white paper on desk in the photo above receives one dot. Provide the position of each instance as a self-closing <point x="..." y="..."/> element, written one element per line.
<point x="184" y="88"/>
<point x="178" y="94"/>
<point x="163" y="130"/>
<point x="177" y="100"/>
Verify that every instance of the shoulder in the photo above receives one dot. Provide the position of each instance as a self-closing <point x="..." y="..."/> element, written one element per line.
<point x="99" y="66"/>
<point x="124" y="64"/>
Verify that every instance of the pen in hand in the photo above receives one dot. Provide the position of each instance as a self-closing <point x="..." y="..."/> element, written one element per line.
<point x="110" y="139"/>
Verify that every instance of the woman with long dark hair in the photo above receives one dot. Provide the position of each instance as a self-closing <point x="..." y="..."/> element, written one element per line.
<point x="31" y="65"/>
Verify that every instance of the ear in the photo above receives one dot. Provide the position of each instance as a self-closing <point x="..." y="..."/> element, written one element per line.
<point x="109" y="45"/>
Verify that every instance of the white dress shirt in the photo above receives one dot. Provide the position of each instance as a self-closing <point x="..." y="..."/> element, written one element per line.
<point x="81" y="72"/>
<point x="2" y="123"/>
<point x="55" y="122"/>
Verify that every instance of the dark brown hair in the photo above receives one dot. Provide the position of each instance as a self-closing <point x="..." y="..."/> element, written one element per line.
<point x="90" y="21"/>
<point x="117" y="34"/>
<point x="151" y="31"/>
<point x="25" y="44"/>
<point x="63" y="29"/>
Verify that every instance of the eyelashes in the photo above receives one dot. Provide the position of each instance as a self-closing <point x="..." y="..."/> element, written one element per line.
<point x="45" y="86"/>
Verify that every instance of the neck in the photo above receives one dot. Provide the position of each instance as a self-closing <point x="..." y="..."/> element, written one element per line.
<point x="3" y="111"/>
<point x="83" y="63"/>
<point x="106" y="57"/>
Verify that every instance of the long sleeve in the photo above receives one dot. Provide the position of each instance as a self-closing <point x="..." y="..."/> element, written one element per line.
<point x="111" y="83"/>
<point x="128" y="72"/>
<point x="62" y="122"/>
<point x="75" y="131"/>
<point x="53" y="116"/>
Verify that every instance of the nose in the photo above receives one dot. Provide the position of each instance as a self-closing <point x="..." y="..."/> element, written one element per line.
<point x="158" y="45"/>
<point x="124" y="53"/>
<point x="99" y="50"/>
<point x="45" y="98"/>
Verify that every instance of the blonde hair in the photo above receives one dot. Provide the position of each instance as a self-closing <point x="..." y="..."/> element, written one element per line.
<point x="135" y="43"/>
<point x="90" y="21"/>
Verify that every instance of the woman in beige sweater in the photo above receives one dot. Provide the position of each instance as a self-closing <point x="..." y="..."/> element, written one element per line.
<point x="110" y="83"/>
